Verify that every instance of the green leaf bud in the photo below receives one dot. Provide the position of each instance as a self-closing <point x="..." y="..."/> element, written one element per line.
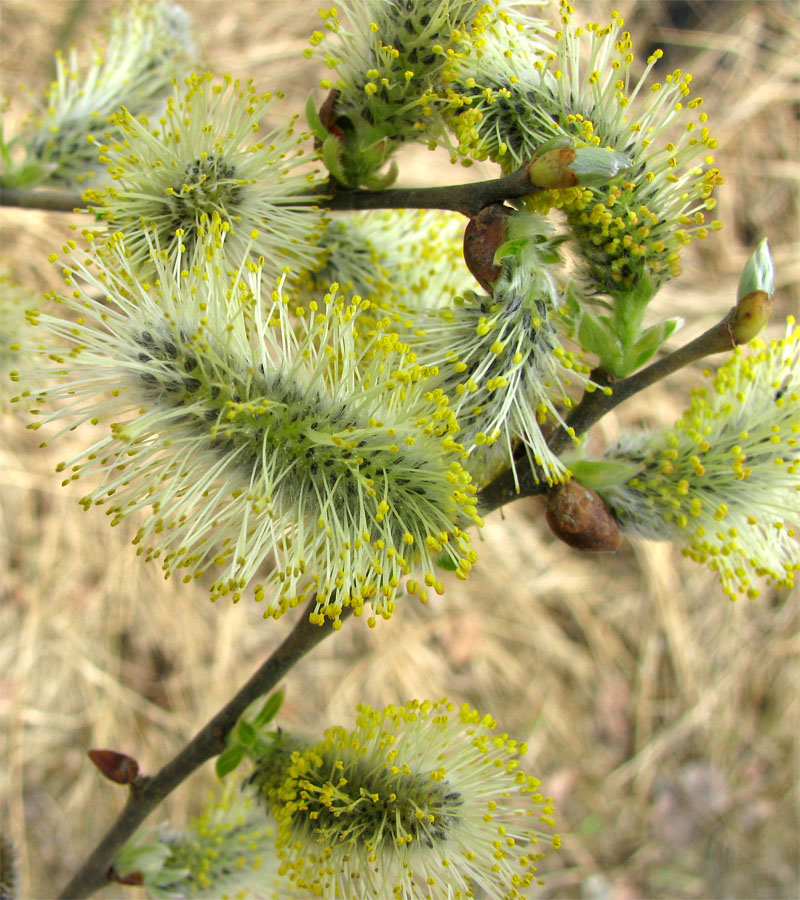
<point x="596" y="166"/>
<point x="566" y="167"/>
<point x="758" y="273"/>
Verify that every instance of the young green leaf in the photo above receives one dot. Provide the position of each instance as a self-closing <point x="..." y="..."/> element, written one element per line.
<point x="269" y="710"/>
<point x="228" y="760"/>
<point x="331" y="157"/>
<point x="599" y="474"/>
<point x="245" y="733"/>
<point x="595" y="335"/>
<point x="649" y="342"/>
<point x="314" y="121"/>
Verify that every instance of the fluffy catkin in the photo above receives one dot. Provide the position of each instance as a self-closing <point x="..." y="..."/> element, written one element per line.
<point x="245" y="440"/>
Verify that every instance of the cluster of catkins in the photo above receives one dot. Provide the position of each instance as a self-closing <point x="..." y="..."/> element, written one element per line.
<point x="307" y="404"/>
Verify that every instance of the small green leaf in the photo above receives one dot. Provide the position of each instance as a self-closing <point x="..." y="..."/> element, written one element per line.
<point x="595" y="335"/>
<point x="510" y="248"/>
<point x="331" y="157"/>
<point x="228" y="760"/>
<point x="671" y="326"/>
<point x="245" y="733"/>
<point x="269" y="710"/>
<point x="600" y="473"/>
<point x="551" y="257"/>
<point x="572" y="306"/>
<point x="650" y="340"/>
<point x="313" y="119"/>
<point x="381" y="182"/>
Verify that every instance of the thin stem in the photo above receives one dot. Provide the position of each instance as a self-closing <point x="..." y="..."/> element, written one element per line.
<point x="51" y="201"/>
<point x="718" y="339"/>
<point x="467" y="199"/>
<point x="147" y="792"/>
<point x="595" y="405"/>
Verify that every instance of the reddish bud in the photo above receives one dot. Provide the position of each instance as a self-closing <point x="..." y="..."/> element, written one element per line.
<point x="135" y="878"/>
<point x="117" y="767"/>
<point x="328" y="117"/>
<point x="579" y="517"/>
<point x="484" y="233"/>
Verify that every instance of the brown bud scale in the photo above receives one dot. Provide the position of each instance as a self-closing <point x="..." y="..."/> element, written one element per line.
<point x="577" y="516"/>
<point x="484" y="233"/>
<point x="117" y="767"/>
<point x="133" y="878"/>
<point x="328" y="116"/>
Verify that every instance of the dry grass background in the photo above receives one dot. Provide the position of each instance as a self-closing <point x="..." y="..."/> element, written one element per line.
<point x="662" y="717"/>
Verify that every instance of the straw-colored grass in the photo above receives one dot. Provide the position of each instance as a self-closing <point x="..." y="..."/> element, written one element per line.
<point x="661" y="716"/>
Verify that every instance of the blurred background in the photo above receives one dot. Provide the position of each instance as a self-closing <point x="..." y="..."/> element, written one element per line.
<point x="662" y="717"/>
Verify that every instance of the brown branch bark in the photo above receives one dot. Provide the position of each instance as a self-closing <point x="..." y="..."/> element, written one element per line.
<point x="50" y="201"/>
<point x="467" y="199"/>
<point x="146" y="792"/>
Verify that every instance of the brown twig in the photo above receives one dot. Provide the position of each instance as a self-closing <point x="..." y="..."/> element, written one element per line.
<point x="146" y="792"/>
<point x="50" y="201"/>
<point x="467" y="199"/>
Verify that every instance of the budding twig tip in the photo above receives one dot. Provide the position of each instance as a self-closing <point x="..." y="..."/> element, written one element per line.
<point x="117" y="767"/>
